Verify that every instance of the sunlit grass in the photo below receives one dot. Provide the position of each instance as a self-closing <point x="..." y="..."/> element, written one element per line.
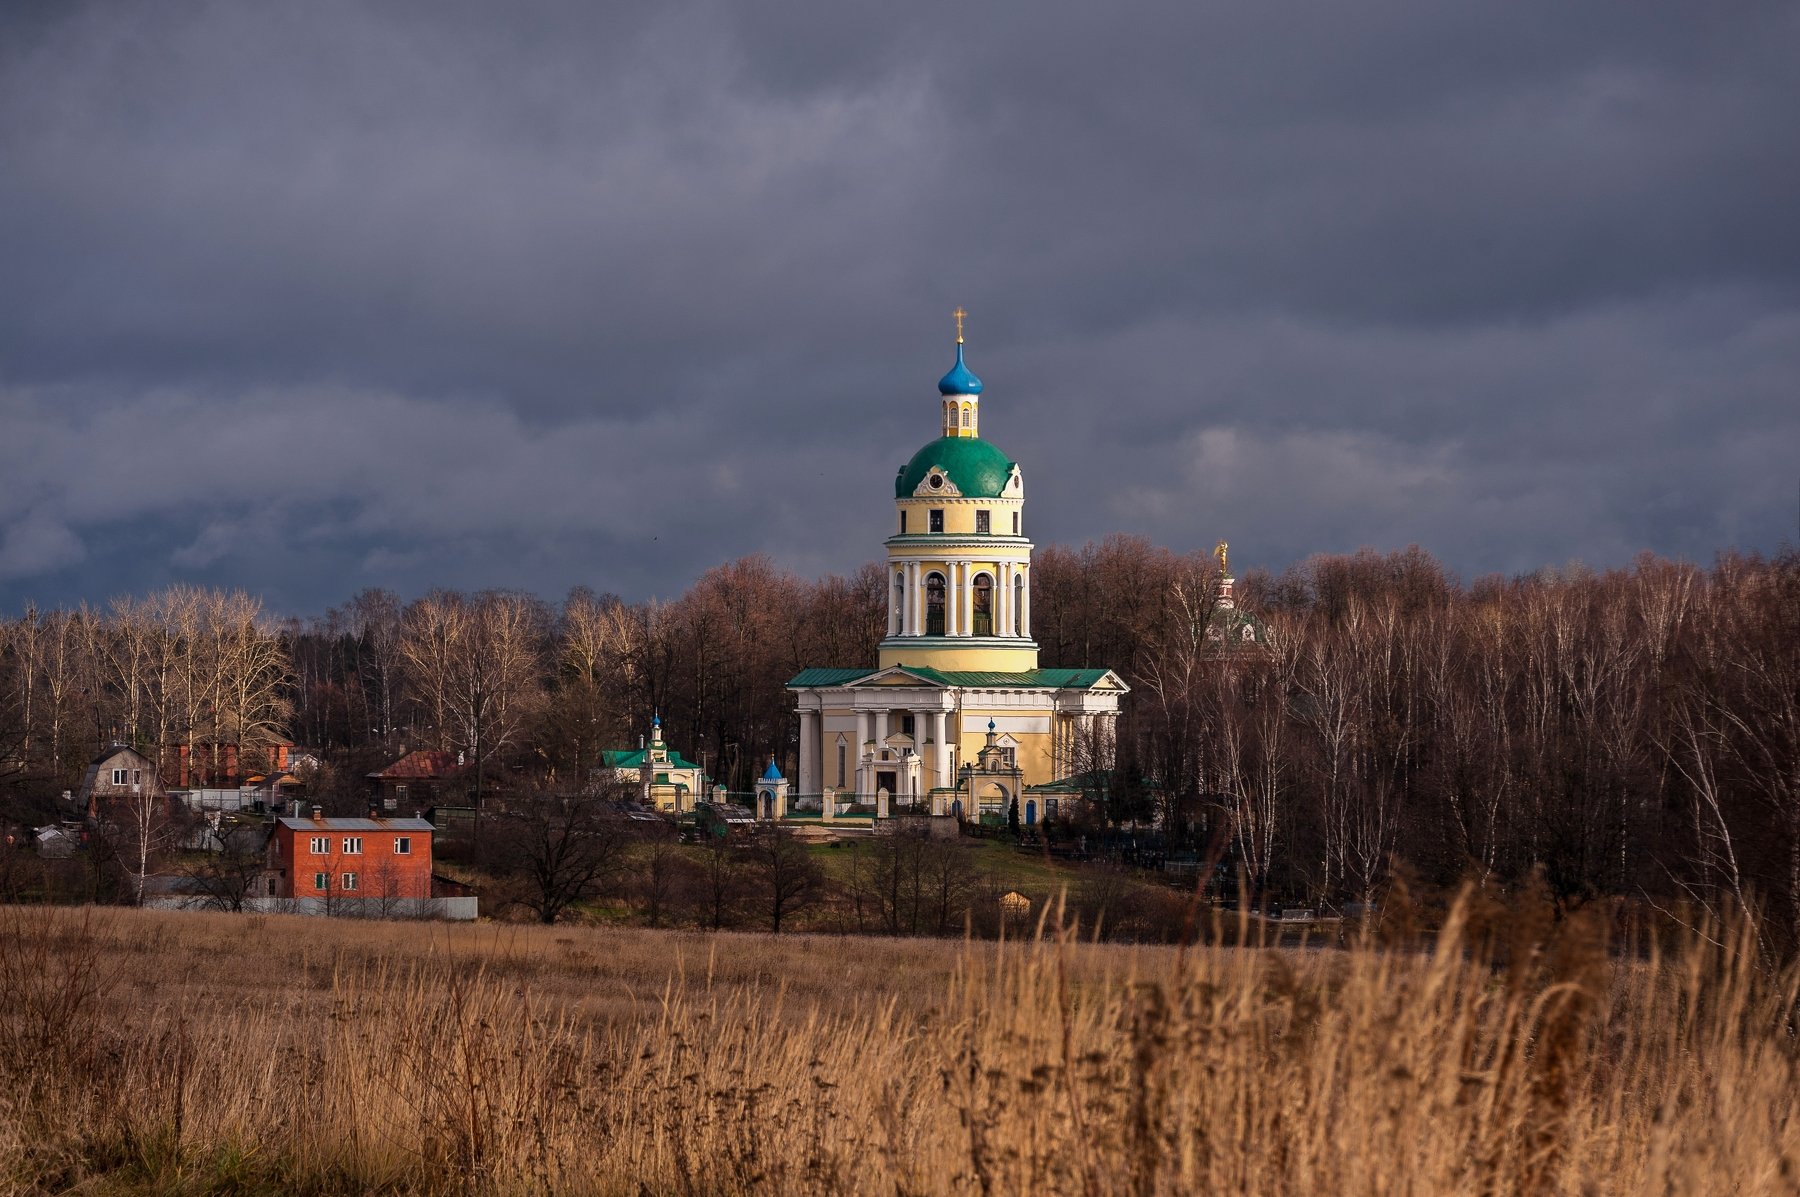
<point x="212" y="1053"/>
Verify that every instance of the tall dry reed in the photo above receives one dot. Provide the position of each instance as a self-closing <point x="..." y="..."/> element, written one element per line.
<point x="322" y="1058"/>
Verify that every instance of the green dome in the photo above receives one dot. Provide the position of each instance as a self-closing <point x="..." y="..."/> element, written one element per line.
<point x="976" y="468"/>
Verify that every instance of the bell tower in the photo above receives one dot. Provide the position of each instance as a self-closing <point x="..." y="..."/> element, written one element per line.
<point x="959" y="564"/>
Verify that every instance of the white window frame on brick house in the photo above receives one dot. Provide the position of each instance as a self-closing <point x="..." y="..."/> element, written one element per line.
<point x="321" y="845"/>
<point x="353" y="845"/>
<point x="321" y="881"/>
<point x="403" y="845"/>
<point x="119" y="777"/>
<point x="349" y="882"/>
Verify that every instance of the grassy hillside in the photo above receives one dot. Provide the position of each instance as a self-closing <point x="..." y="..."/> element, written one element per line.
<point x="153" y="1052"/>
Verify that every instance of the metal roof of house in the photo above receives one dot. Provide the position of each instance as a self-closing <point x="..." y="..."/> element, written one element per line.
<point x="409" y="824"/>
<point x="112" y="750"/>
<point x="422" y="765"/>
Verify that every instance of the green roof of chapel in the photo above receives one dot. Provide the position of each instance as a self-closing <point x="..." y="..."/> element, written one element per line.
<point x="978" y="469"/>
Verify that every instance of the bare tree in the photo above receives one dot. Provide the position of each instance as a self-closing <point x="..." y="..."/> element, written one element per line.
<point x="564" y="848"/>
<point x="142" y="828"/>
<point x="657" y="870"/>
<point x="719" y="883"/>
<point x="787" y="878"/>
<point x="230" y="872"/>
<point x="477" y="664"/>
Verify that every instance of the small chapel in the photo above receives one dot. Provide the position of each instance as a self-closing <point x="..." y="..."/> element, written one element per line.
<point x="955" y="716"/>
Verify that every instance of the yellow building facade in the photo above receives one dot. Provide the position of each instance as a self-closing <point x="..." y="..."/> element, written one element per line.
<point x="956" y="715"/>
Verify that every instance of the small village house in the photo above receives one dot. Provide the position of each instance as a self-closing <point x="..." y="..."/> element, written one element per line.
<point x="117" y="774"/>
<point x="421" y="778"/>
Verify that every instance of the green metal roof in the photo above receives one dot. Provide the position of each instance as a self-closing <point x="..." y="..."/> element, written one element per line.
<point x="827" y="677"/>
<point x="981" y="679"/>
<point x="1036" y="679"/>
<point x="634" y="759"/>
<point x="978" y="469"/>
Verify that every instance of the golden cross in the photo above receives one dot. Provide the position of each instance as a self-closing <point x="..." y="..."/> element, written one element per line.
<point x="959" y="314"/>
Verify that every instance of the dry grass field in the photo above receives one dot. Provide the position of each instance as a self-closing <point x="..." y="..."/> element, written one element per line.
<point x="175" y="1054"/>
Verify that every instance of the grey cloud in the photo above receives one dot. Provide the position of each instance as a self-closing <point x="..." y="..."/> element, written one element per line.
<point x="439" y="293"/>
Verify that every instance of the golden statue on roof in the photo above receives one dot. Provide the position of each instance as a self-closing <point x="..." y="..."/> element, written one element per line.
<point x="1224" y="570"/>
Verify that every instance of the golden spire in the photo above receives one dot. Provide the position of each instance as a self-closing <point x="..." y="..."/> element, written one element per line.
<point x="1224" y="570"/>
<point x="959" y="314"/>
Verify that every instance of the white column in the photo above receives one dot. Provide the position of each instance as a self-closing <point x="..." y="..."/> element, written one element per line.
<point x="809" y="741"/>
<point x="968" y="598"/>
<point x="1025" y="609"/>
<point x="910" y="609"/>
<point x="865" y="731"/>
<point x="1003" y="599"/>
<point x="896" y="609"/>
<point x="921" y="732"/>
<point x="881" y="730"/>
<point x="942" y="767"/>
<point x="949" y="598"/>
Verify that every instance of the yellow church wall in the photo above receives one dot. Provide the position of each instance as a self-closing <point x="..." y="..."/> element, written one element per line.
<point x="959" y="514"/>
<point x="964" y="657"/>
<point x="1035" y="751"/>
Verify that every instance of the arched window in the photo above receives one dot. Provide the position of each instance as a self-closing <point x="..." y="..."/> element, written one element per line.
<point x="966" y="415"/>
<point x="840" y="764"/>
<point x="984" y="605"/>
<point x="899" y="618"/>
<point x="934" y="604"/>
<point x="1018" y="603"/>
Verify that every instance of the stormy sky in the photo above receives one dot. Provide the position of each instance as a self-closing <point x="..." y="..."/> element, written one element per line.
<point x="316" y="296"/>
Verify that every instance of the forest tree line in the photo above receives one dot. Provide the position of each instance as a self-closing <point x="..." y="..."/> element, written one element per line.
<point x="1630" y="732"/>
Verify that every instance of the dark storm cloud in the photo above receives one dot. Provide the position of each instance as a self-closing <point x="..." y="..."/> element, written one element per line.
<point x="314" y="297"/>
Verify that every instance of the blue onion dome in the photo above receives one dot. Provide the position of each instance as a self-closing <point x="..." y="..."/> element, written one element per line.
<point x="960" y="380"/>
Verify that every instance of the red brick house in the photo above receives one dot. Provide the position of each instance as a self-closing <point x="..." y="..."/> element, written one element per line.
<point x="373" y="859"/>
<point x="215" y="762"/>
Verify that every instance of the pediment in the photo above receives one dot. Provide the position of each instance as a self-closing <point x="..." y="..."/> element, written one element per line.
<point x="895" y="675"/>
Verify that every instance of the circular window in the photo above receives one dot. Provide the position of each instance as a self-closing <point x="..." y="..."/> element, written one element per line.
<point x="937" y="481"/>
